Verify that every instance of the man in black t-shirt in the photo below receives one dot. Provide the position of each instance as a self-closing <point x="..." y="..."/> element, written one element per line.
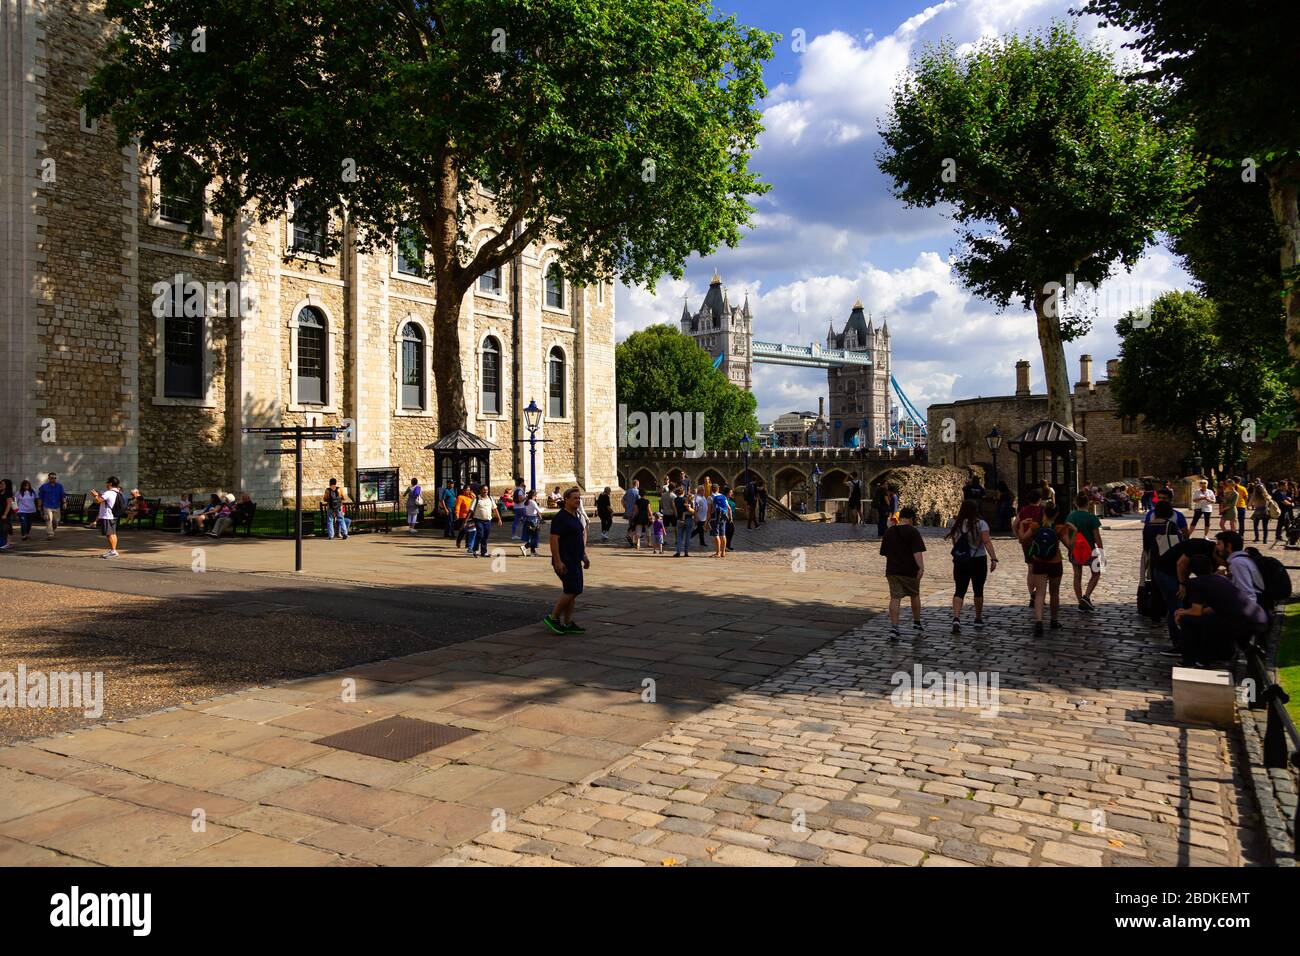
<point x="904" y="552"/>
<point x="1171" y="571"/>
<point x="568" y="559"/>
<point x="1218" y="617"/>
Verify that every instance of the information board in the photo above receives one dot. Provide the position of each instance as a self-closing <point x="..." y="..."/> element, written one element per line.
<point x="377" y="484"/>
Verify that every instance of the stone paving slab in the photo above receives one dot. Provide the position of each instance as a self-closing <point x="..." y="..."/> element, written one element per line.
<point x="763" y="744"/>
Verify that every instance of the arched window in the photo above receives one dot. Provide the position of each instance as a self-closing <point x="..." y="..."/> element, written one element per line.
<point x="412" y="367"/>
<point x="490" y="377"/>
<point x="490" y="281"/>
<point x="554" y="286"/>
<point x="555" y="384"/>
<point x="312" y="376"/>
<point x="183" y="344"/>
<point x="180" y="191"/>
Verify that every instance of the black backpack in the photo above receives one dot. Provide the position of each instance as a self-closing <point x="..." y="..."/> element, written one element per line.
<point x="119" y="506"/>
<point x="1277" y="583"/>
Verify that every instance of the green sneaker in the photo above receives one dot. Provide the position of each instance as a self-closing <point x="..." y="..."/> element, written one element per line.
<point x="554" y="625"/>
<point x="573" y="628"/>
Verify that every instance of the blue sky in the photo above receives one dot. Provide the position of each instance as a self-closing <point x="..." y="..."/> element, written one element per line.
<point x="830" y="232"/>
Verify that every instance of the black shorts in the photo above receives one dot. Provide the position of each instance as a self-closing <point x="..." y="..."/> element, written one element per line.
<point x="571" y="579"/>
<point x="107" y="526"/>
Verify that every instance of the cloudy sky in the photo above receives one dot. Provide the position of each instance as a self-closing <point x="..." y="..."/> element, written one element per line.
<point x="830" y="232"/>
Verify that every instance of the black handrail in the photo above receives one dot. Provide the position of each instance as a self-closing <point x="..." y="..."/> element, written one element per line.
<point x="1281" y="739"/>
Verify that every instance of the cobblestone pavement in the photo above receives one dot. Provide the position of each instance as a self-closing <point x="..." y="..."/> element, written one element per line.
<point x="771" y="737"/>
<point x="1082" y="764"/>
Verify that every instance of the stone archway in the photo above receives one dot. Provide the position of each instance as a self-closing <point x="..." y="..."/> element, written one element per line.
<point x="649" y="481"/>
<point x="785" y="481"/>
<point x="713" y="475"/>
<point x="835" y="484"/>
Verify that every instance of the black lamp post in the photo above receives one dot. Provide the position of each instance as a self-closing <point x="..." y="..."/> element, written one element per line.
<point x="994" y="440"/>
<point x="745" y="441"/>
<point x="817" y="487"/>
<point x="533" y="420"/>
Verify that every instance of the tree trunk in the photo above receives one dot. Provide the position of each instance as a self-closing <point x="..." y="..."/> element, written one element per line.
<point x="1283" y="188"/>
<point x="1060" y="401"/>
<point x="448" y="377"/>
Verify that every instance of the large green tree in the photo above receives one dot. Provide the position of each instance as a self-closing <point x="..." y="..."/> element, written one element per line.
<point x="1231" y="68"/>
<point x="660" y="370"/>
<point x="1051" y="161"/>
<point x="1185" y="370"/>
<point x="619" y="129"/>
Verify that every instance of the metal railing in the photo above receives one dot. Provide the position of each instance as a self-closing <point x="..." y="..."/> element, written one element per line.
<point x="1281" y="739"/>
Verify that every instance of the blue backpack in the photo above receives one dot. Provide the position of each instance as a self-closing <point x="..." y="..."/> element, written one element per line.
<point x="1046" y="546"/>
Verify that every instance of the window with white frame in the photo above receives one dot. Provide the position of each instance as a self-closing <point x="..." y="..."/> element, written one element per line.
<point x="555" y="407"/>
<point x="490" y="281"/>
<point x="308" y="229"/>
<point x="554" y="286"/>
<point x="413" y="382"/>
<point x="490" y="377"/>
<point x="410" y="252"/>
<point x="180" y="191"/>
<point x="313" y="378"/>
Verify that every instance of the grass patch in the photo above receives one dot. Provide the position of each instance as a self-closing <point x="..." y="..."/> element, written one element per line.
<point x="1288" y="659"/>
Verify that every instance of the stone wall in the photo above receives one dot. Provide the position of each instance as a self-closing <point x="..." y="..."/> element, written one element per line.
<point x="935" y="492"/>
<point x="82" y="346"/>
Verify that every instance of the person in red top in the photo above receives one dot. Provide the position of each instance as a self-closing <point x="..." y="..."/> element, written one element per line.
<point x="1029" y="516"/>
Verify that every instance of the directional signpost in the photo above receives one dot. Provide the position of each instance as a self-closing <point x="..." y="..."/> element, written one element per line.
<point x="299" y="434"/>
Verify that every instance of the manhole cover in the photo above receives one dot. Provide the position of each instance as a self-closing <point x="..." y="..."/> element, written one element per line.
<point x="396" y="738"/>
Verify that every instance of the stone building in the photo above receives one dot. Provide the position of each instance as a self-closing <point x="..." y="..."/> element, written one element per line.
<point x="724" y="330"/>
<point x="132" y="348"/>
<point x="859" y="394"/>
<point x="1118" y="446"/>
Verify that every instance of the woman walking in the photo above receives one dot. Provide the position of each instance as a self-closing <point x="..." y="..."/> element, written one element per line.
<point x="1257" y="503"/>
<point x="25" y="504"/>
<point x="1228" y="497"/>
<point x="414" y="505"/>
<point x="532" y="525"/>
<point x="973" y="557"/>
<point x="485" y="513"/>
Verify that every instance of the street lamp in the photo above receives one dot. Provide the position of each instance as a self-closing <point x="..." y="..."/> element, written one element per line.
<point x="994" y="441"/>
<point x="533" y="420"/>
<point x="745" y="442"/>
<point x="817" y="487"/>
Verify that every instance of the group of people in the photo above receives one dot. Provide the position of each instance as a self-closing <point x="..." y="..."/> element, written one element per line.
<point x="1264" y="503"/>
<point x="1213" y="595"/>
<point x="28" y="506"/>
<point x="707" y="511"/>
<point x="221" y="513"/>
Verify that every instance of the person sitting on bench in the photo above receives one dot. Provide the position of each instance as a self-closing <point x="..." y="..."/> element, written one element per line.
<point x="1218" y="618"/>
<point x="233" y="515"/>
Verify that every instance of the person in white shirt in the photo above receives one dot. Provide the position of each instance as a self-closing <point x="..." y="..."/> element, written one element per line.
<point x="107" y="520"/>
<point x="702" y="509"/>
<point x="1202" y="507"/>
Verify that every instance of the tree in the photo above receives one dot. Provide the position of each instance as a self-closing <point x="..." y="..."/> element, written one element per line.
<point x="618" y="129"/>
<point x="1231" y="70"/>
<point x="1183" y="371"/>
<point x="1053" y="164"/>
<point x="658" y="369"/>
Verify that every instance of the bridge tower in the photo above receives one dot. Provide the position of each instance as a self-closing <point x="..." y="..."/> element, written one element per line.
<point x="721" y="328"/>
<point x="859" y="394"/>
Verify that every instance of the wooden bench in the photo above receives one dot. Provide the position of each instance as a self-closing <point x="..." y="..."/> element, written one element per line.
<point x="238" y="518"/>
<point x="368" y="516"/>
<point x="138" y="519"/>
<point x="74" y="509"/>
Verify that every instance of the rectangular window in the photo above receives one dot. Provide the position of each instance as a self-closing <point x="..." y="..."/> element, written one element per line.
<point x="410" y="253"/>
<point x="308" y="231"/>
<point x="555" y="390"/>
<point x="183" y="357"/>
<point x="491" y="383"/>
<point x="412" y="379"/>
<point x="311" y="365"/>
<point x="490" y="281"/>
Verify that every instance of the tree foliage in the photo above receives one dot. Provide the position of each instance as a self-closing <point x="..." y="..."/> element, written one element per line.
<point x="658" y="369"/>
<point x="1051" y="162"/>
<point x="619" y="130"/>
<point x="1231" y="72"/>
<point x="1190" y="372"/>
